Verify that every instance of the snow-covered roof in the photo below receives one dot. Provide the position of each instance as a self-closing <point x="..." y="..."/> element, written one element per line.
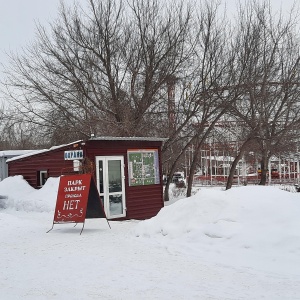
<point x="11" y="153"/>
<point x="35" y="152"/>
<point x="133" y="138"/>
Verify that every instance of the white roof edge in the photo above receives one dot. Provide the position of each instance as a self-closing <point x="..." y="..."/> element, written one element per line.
<point x="27" y="155"/>
<point x="13" y="152"/>
<point x="134" y="138"/>
<point x="35" y="152"/>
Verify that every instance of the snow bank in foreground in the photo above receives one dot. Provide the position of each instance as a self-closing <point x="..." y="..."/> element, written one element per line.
<point x="16" y="193"/>
<point x="247" y="219"/>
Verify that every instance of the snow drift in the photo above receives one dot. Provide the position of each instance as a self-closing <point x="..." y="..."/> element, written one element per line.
<point x="246" y="224"/>
<point x="17" y="194"/>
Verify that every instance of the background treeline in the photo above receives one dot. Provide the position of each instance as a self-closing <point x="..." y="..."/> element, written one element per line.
<point x="180" y="70"/>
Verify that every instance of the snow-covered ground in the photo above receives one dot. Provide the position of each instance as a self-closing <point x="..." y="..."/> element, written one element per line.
<point x="238" y="244"/>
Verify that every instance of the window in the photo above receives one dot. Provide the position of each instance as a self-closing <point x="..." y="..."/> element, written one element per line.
<point x="42" y="177"/>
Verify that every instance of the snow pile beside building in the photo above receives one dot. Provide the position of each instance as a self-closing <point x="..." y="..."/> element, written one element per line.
<point x="17" y="194"/>
<point x="242" y="224"/>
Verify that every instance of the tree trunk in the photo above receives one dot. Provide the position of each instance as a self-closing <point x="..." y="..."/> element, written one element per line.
<point x="166" y="190"/>
<point x="234" y="164"/>
<point x="264" y="170"/>
<point x="232" y="169"/>
<point x="192" y="172"/>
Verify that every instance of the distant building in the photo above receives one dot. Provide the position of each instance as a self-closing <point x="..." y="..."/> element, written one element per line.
<point x="4" y="156"/>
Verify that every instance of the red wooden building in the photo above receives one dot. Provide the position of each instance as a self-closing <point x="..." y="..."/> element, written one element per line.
<point x="127" y="171"/>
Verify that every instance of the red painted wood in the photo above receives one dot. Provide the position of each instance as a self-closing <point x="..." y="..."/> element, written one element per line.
<point x="142" y="202"/>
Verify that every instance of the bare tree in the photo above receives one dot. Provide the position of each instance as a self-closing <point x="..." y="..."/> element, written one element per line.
<point x="268" y="52"/>
<point x="112" y="68"/>
<point x="14" y="134"/>
<point x="104" y="69"/>
<point x="209" y="94"/>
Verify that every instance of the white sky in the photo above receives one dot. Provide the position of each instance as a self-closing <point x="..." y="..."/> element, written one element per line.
<point x="18" y="18"/>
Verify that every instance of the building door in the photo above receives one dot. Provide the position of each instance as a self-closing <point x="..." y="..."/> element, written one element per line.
<point x="111" y="185"/>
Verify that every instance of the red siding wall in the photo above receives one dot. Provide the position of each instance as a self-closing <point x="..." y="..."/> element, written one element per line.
<point x="142" y="202"/>
<point x="52" y="161"/>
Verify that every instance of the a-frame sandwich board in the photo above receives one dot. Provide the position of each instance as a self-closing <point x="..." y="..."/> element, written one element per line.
<point x="77" y="199"/>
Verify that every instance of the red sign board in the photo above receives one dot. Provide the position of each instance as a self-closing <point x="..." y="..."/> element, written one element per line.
<point x="77" y="199"/>
<point x="72" y="198"/>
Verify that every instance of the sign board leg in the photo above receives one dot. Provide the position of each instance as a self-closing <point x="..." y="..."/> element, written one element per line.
<point x="82" y="227"/>
<point x="108" y="224"/>
<point x="51" y="228"/>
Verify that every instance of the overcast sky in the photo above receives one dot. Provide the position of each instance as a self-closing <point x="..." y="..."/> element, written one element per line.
<point x="17" y="22"/>
<point x="18" y="17"/>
